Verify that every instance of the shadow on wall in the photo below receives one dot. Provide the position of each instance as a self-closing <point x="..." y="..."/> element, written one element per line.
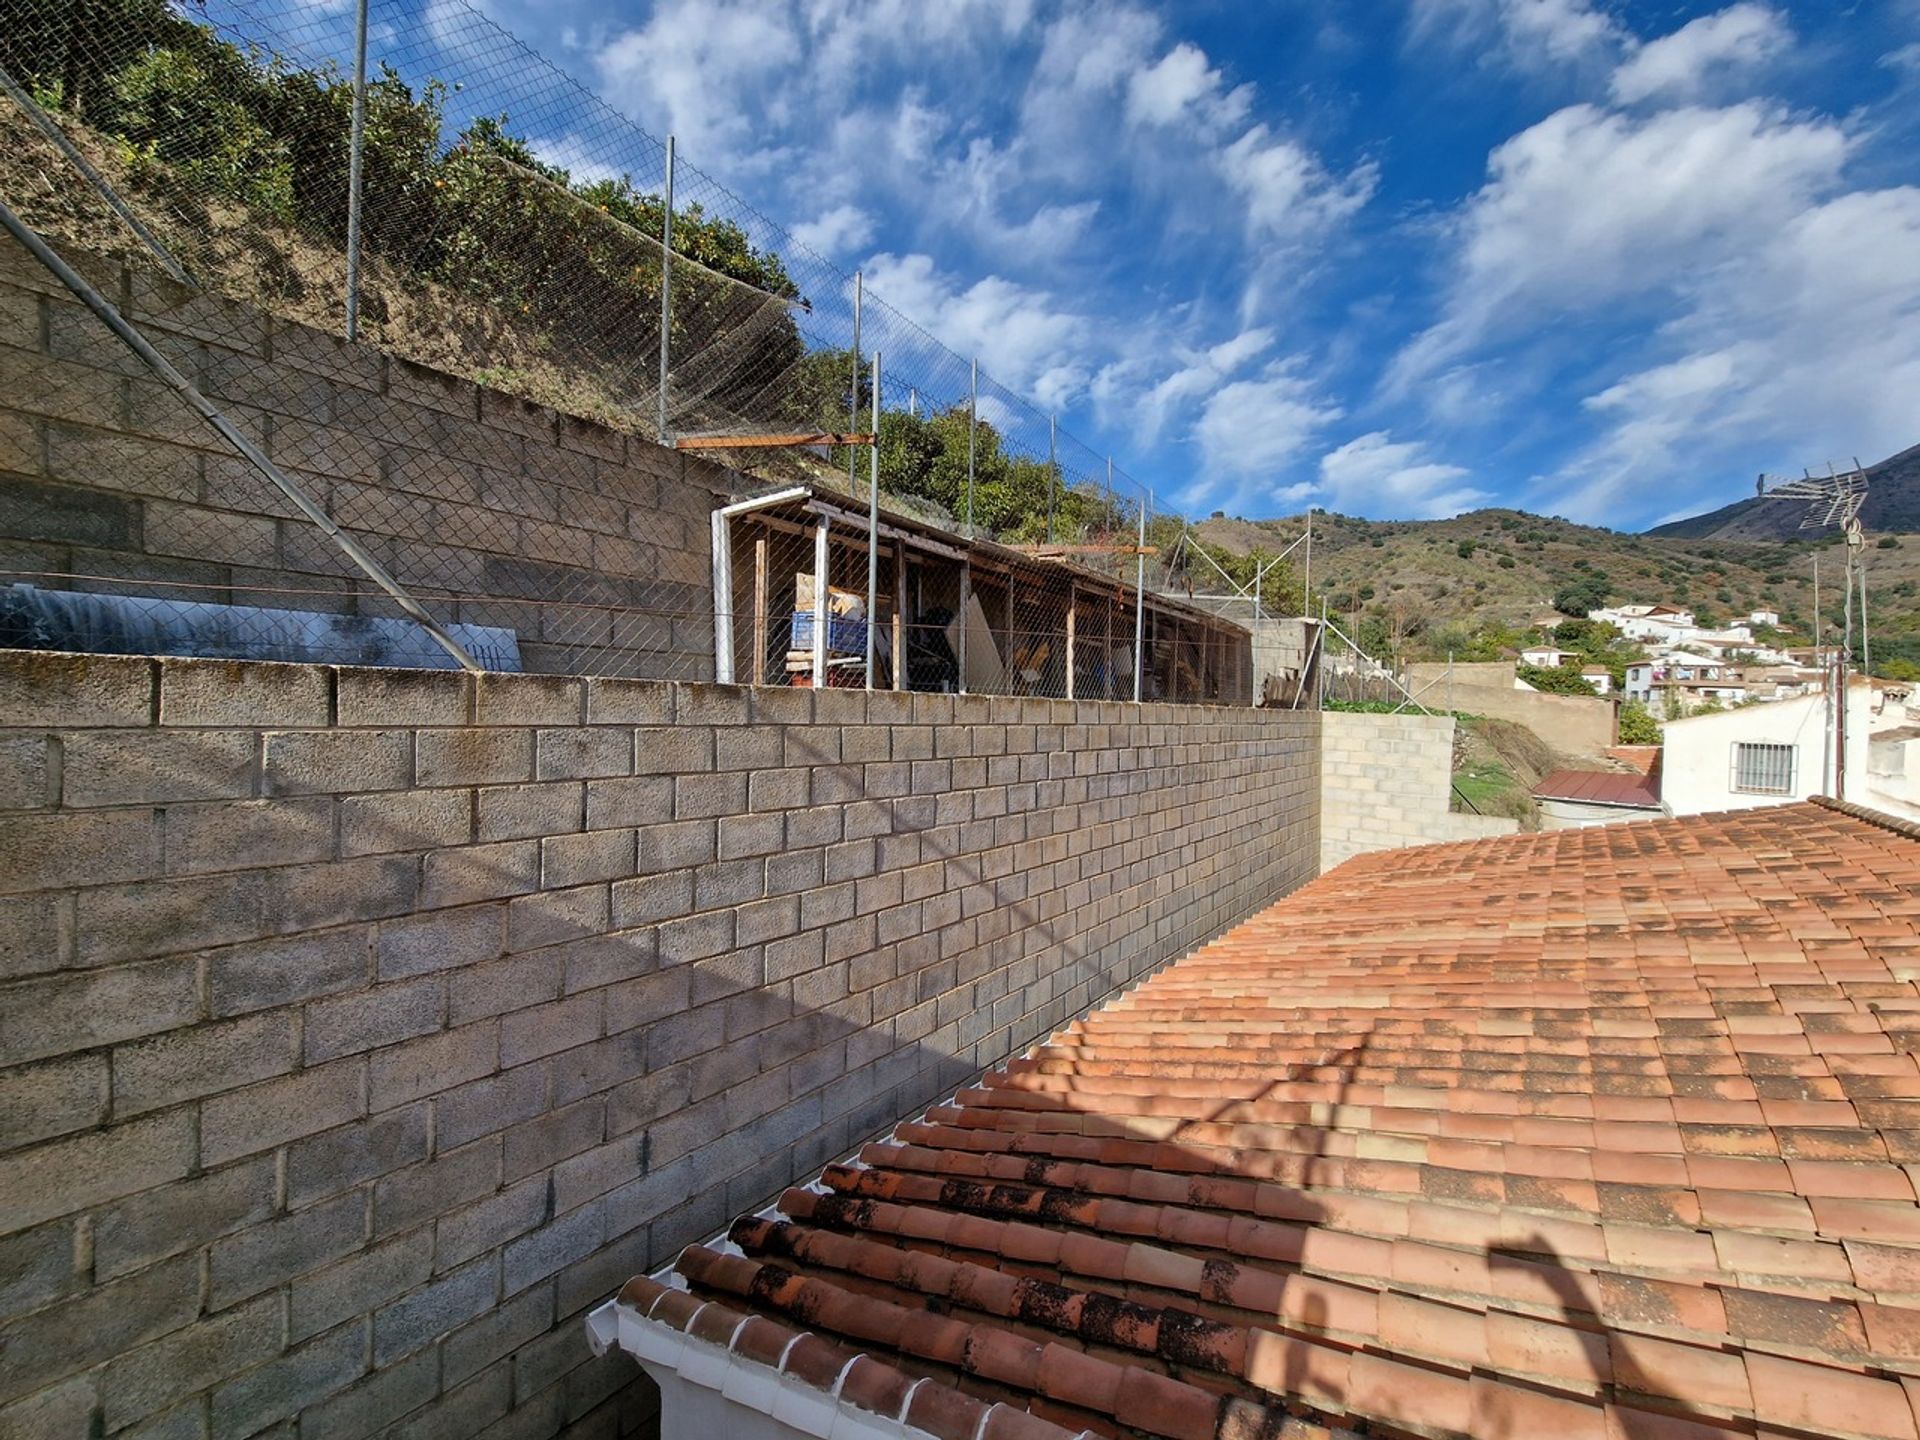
<point x="408" y="1005"/>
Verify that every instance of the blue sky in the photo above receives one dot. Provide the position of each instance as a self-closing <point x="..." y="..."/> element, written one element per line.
<point x="1599" y="258"/>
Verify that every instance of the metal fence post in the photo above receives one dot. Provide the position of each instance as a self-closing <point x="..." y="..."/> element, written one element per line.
<point x="1053" y="475"/>
<point x="873" y="524"/>
<point x="1140" y="600"/>
<point x="853" y="394"/>
<point x="356" y="151"/>
<point x="666" y="287"/>
<point x="973" y="410"/>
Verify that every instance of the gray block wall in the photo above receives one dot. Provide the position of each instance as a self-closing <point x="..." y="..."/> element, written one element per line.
<point x="1386" y="782"/>
<point x="360" y="1029"/>
<point x="591" y="544"/>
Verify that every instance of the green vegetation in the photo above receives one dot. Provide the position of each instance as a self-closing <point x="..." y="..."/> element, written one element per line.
<point x="1637" y="725"/>
<point x="1558" y="680"/>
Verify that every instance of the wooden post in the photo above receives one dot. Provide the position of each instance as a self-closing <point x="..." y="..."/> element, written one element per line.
<point x="899" y="615"/>
<point x="966" y="600"/>
<point x="759" y="668"/>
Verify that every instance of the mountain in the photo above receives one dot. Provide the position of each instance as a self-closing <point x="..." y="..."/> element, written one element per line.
<point x="1893" y="505"/>
<point x="1483" y="580"/>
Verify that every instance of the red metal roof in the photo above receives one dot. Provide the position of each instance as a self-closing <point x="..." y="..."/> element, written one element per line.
<point x="1601" y="1134"/>
<point x="1599" y="787"/>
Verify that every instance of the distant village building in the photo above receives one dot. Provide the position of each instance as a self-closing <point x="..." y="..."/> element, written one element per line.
<point x="1547" y="657"/>
<point x="1599" y="677"/>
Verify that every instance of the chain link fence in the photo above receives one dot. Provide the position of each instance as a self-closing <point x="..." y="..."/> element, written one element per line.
<point x="542" y="290"/>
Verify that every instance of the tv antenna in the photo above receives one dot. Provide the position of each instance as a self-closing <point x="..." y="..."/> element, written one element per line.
<point x="1834" y="499"/>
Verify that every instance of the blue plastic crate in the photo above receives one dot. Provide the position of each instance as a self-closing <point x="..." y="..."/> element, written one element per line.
<point x="848" y="637"/>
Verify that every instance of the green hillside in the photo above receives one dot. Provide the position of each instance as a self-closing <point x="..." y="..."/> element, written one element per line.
<point x="1487" y="579"/>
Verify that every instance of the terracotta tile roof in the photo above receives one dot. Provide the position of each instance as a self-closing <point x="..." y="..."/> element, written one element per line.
<point x="1600" y="787"/>
<point x="1522" y="1137"/>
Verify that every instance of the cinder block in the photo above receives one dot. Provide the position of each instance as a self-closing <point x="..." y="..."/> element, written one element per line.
<point x="354" y="1154"/>
<point x="307" y="1373"/>
<point x="524" y="812"/>
<point x="245" y="834"/>
<point x="497" y="1334"/>
<point x="545" y="1029"/>
<point x="305" y="897"/>
<point x="646" y="800"/>
<point x="479" y="872"/>
<point x="184" y="1215"/>
<point x="675" y="846"/>
<point x="244" y="693"/>
<point x="155" y="917"/>
<point x="475" y="992"/>
<point x="92" y="1328"/>
<point x="360" y="1283"/>
<point x="402" y="698"/>
<point x="337" y="762"/>
<point x="67" y="1176"/>
<point x="529" y="700"/>
<point x="384" y="1015"/>
<point x="25" y="771"/>
<point x="431" y="1064"/>
<point x="586" y="858"/>
<point x="444" y="939"/>
<point x="204" y="1060"/>
<point x="488" y="1224"/>
<point x="472" y="757"/>
<point x="147" y="1380"/>
<point x="695" y="937"/>
<point x="73" y="691"/>
<point x="456" y="1178"/>
<point x="82" y="1009"/>
<point x="486" y="1106"/>
<point x="266" y="973"/>
<point x="704" y="704"/>
<point x="629" y="702"/>
<point x="38" y="1102"/>
<point x="570" y="1237"/>
<point x="582" y="752"/>
<point x="262" y="1116"/>
<point x="557" y="916"/>
<point x="416" y="1320"/>
<point x="404" y="820"/>
<point x="47" y="851"/>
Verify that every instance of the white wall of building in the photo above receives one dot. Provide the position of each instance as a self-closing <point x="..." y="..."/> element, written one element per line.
<point x="1697" y="774"/>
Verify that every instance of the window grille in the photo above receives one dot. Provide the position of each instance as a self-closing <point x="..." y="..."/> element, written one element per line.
<point x="1760" y="769"/>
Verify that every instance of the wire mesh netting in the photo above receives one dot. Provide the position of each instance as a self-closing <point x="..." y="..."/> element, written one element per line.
<point x="512" y="231"/>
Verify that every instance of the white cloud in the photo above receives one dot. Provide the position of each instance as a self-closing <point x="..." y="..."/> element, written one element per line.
<point x="1252" y="430"/>
<point x="1288" y="193"/>
<point x="686" y="70"/>
<point x="1539" y="36"/>
<point x="839" y="231"/>
<point x="1591" y="208"/>
<point x="1021" y="335"/>
<point x="1807" y="347"/>
<point x="1680" y="65"/>
<point x="1374" y="474"/>
<point x="1149" y="407"/>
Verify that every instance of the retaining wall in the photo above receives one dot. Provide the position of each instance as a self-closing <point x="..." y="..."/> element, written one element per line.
<point x="359" y="1029"/>
<point x="1386" y="781"/>
<point x="1578" y="725"/>
<point x="594" y="546"/>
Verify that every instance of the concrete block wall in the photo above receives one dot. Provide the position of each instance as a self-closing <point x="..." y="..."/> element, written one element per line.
<point x="592" y="545"/>
<point x="359" y="1029"/>
<point x="1572" y="724"/>
<point x="1386" y="782"/>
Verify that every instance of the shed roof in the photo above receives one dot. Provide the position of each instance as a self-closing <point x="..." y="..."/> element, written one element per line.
<point x="1591" y="1134"/>
<point x="1600" y="787"/>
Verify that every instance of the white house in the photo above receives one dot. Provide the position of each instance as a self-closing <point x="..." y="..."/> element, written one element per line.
<point x="1648" y="622"/>
<point x="1893" y="772"/>
<point x="1599" y="677"/>
<point x="1639" y="676"/>
<point x="1762" y="755"/>
<point x="1547" y="657"/>
<point x="1769" y="618"/>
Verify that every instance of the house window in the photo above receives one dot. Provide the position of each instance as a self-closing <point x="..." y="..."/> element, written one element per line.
<point x="1762" y="769"/>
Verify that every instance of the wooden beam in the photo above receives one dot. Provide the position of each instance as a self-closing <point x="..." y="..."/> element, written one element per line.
<point x="762" y="442"/>
<point x="759" y="670"/>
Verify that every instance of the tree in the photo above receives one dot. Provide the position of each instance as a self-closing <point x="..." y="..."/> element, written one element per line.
<point x="1577" y="597"/>
<point x="1559" y="680"/>
<point x="1637" y="725"/>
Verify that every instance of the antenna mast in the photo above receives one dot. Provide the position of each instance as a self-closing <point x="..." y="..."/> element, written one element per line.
<point x="1834" y="499"/>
